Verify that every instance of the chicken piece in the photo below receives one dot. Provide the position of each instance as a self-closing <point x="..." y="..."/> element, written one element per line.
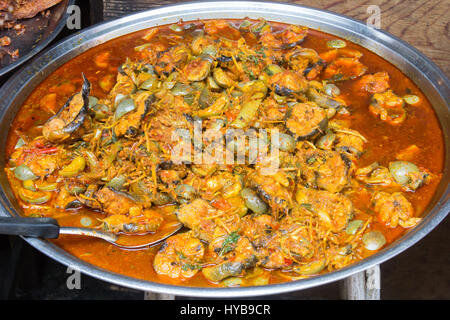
<point x="70" y="117"/>
<point x="130" y="123"/>
<point x="179" y="257"/>
<point x="333" y="54"/>
<point x="197" y="216"/>
<point x="374" y="174"/>
<point x="5" y="41"/>
<point x="288" y="38"/>
<point x="138" y="221"/>
<point x="269" y="40"/>
<point x="394" y="209"/>
<point x="222" y="28"/>
<point x="350" y="142"/>
<point x="389" y="107"/>
<point x="221" y="183"/>
<point x="273" y="112"/>
<point x="114" y="202"/>
<point x="123" y="87"/>
<point x="259" y="228"/>
<point x="373" y="83"/>
<point x="290" y="243"/>
<point x="171" y="59"/>
<point x="292" y="36"/>
<point x="43" y="165"/>
<point x="172" y="176"/>
<point x="306" y="120"/>
<point x="335" y="210"/>
<point x="273" y="189"/>
<point x="409" y="153"/>
<point x="287" y="83"/>
<point x="343" y="69"/>
<point x="325" y="169"/>
<point x="237" y="253"/>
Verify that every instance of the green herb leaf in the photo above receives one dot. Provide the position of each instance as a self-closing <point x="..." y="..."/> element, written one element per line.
<point x="229" y="243"/>
<point x="311" y="160"/>
<point x="253" y="59"/>
<point x="190" y="266"/>
<point x="337" y="77"/>
<point x="180" y="255"/>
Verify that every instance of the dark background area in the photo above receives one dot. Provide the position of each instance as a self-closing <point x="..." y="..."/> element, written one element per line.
<point x="421" y="272"/>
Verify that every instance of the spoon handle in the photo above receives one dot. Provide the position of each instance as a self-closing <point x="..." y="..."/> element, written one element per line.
<point x="33" y="227"/>
<point x="47" y="228"/>
<point x="89" y="232"/>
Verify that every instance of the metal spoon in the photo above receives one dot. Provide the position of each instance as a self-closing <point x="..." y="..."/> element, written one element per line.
<point x="49" y="228"/>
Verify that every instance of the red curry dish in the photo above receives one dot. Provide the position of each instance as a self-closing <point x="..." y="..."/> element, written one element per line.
<point x="360" y="152"/>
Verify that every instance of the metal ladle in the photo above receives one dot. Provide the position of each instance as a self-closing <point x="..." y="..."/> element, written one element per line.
<point x="49" y="228"/>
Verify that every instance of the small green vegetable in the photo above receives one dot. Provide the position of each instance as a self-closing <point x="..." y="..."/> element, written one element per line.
<point x="23" y="173"/>
<point x="307" y="206"/>
<point x="76" y="166"/>
<point x="373" y="240"/>
<point x="92" y="102"/>
<point x="253" y="202"/>
<point x="37" y="197"/>
<point x="411" y="99"/>
<point x="86" y="221"/>
<point x="149" y="84"/>
<point x="29" y="185"/>
<point x="354" y="226"/>
<point x="20" y="143"/>
<point x="125" y="106"/>
<point x="176" y="28"/>
<point x="311" y="268"/>
<point x="336" y="44"/>
<point x="246" y="114"/>
<point x="117" y="182"/>
<point x="47" y="186"/>
<point x="272" y="69"/>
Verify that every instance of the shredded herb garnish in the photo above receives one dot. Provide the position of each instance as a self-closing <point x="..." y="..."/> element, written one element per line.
<point x="229" y="243"/>
<point x="311" y="160"/>
<point x="190" y="266"/>
<point x="180" y="255"/>
<point x="253" y="59"/>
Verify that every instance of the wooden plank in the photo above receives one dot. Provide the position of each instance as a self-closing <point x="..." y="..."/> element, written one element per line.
<point x="363" y="285"/>
<point x="118" y="8"/>
<point x="148" y="295"/>
<point x="353" y="287"/>
<point x="423" y="24"/>
<point x="373" y="283"/>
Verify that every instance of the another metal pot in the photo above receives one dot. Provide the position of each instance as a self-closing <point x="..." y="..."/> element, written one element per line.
<point x="429" y="78"/>
<point x="37" y="37"/>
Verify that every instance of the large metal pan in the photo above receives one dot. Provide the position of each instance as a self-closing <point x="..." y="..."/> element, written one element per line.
<point x="422" y="71"/>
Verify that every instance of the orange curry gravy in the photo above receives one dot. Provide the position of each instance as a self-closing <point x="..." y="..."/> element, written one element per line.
<point x="421" y="128"/>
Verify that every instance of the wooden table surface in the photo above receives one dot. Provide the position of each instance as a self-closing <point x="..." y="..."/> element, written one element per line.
<point x="423" y="24"/>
